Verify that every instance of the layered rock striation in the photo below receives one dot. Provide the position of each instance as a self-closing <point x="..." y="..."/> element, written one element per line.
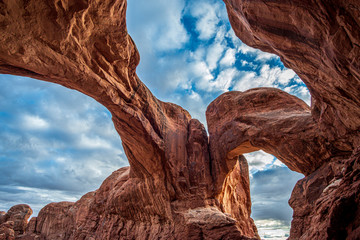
<point x="180" y="183"/>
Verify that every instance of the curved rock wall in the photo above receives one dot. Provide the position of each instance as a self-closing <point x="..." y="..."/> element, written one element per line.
<point x="167" y="192"/>
<point x="267" y="119"/>
<point x="319" y="40"/>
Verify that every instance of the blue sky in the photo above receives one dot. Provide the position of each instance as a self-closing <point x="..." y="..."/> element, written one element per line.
<point x="57" y="144"/>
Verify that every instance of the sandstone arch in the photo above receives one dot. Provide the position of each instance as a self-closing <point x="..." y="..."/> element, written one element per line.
<point x="320" y="42"/>
<point x="267" y="119"/>
<point x="84" y="45"/>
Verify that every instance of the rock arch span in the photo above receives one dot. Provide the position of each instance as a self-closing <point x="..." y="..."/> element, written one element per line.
<point x="179" y="180"/>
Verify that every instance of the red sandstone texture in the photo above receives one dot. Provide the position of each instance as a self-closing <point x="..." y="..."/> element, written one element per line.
<point x="167" y="192"/>
<point x="267" y="119"/>
<point x="319" y="40"/>
<point x="14" y="222"/>
<point x="180" y="185"/>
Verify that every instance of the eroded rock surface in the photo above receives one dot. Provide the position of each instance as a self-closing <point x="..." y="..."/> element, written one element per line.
<point x="320" y="41"/>
<point x="167" y="192"/>
<point x="327" y="203"/>
<point x="267" y="119"/>
<point x="14" y="221"/>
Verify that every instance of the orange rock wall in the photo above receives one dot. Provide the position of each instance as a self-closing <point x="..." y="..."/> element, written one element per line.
<point x="167" y="192"/>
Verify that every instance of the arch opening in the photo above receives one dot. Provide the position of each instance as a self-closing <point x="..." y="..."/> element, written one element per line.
<point x="271" y="184"/>
<point x="56" y="144"/>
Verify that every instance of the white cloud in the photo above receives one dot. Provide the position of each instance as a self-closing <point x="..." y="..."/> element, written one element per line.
<point x="206" y="81"/>
<point x="285" y="76"/>
<point x="202" y="71"/>
<point x="224" y="79"/>
<point x="158" y="26"/>
<point x="94" y="142"/>
<point x="214" y="54"/>
<point x="264" y="56"/>
<point x="31" y="122"/>
<point x="245" y="49"/>
<point x="272" y="229"/>
<point x="207" y="19"/>
<point x="259" y="160"/>
<point x="259" y="55"/>
<point x="229" y="58"/>
<point x="234" y="39"/>
<point x="267" y="77"/>
<point x="303" y="93"/>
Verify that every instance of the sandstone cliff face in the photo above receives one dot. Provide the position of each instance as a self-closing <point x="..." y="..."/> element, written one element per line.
<point x="167" y="192"/>
<point x="326" y="203"/>
<point x="319" y="40"/>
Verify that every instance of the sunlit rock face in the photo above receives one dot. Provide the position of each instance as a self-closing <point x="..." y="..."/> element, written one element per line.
<point x="320" y="42"/>
<point x="168" y="191"/>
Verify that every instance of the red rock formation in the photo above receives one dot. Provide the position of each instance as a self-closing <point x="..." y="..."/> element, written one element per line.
<point x="231" y="197"/>
<point x="267" y="119"/>
<point x="319" y="40"/>
<point x="19" y="214"/>
<point x="7" y="231"/>
<point x="177" y="186"/>
<point x="14" y="222"/>
<point x="326" y="203"/>
<point x="167" y="193"/>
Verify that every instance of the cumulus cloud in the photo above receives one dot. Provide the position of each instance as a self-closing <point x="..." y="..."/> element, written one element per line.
<point x="267" y="77"/>
<point x="215" y="51"/>
<point x="222" y="82"/>
<point x="259" y="160"/>
<point x="229" y="58"/>
<point x="207" y="17"/>
<point x="159" y="24"/>
<point x="278" y="77"/>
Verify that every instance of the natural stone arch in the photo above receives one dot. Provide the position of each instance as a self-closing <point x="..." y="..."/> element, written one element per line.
<point x="84" y="45"/>
<point x="267" y="119"/>
<point x="320" y="42"/>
